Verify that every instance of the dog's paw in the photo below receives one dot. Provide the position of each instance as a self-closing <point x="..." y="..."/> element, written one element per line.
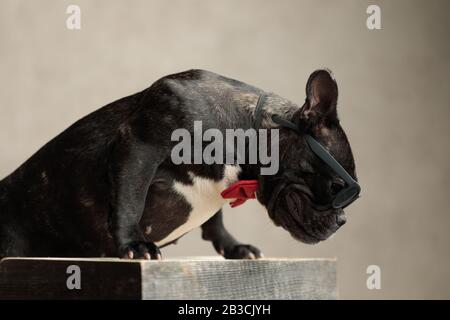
<point x="241" y="251"/>
<point x="141" y="250"/>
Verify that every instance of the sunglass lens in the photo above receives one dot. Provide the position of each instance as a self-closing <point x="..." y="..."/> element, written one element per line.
<point x="346" y="196"/>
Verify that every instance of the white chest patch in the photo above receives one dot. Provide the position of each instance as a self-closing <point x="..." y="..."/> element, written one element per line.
<point x="204" y="197"/>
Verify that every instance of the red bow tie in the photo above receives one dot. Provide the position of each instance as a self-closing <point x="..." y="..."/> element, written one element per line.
<point x="241" y="191"/>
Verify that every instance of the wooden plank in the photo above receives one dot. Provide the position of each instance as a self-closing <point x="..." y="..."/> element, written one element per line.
<point x="36" y="278"/>
<point x="187" y="278"/>
<point x="240" y="279"/>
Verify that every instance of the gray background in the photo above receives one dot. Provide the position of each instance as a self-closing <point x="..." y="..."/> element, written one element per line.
<point x="394" y="105"/>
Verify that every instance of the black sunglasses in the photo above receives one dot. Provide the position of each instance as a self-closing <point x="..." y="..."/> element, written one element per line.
<point x="352" y="190"/>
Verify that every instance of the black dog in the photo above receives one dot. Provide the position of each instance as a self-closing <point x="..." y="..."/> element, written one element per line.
<point x="106" y="186"/>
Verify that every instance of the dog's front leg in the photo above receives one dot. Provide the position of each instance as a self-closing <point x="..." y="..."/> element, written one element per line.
<point x="224" y="243"/>
<point x="132" y="165"/>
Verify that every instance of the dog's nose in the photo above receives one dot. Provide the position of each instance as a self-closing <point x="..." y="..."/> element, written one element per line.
<point x="341" y="220"/>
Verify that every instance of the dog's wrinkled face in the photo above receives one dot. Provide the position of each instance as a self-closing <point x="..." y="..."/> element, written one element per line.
<point x="298" y="197"/>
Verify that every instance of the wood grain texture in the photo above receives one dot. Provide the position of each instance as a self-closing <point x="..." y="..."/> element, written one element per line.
<point x="187" y="278"/>
<point x="240" y="279"/>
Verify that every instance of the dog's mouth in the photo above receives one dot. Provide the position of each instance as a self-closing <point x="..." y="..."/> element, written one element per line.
<point x="292" y="207"/>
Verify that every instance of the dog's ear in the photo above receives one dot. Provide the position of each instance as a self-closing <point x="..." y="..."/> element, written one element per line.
<point x="321" y="100"/>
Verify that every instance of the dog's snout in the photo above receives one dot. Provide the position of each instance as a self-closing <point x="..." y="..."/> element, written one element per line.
<point x="341" y="220"/>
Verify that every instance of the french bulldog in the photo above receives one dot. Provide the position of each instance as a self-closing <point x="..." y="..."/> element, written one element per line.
<point x="106" y="186"/>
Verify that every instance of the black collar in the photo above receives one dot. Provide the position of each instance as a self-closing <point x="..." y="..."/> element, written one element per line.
<point x="275" y="118"/>
<point x="258" y="110"/>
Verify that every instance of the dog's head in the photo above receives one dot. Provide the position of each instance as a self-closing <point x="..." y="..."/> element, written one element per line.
<point x="298" y="197"/>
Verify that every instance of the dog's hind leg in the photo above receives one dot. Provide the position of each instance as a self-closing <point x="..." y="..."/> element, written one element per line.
<point x="12" y="241"/>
